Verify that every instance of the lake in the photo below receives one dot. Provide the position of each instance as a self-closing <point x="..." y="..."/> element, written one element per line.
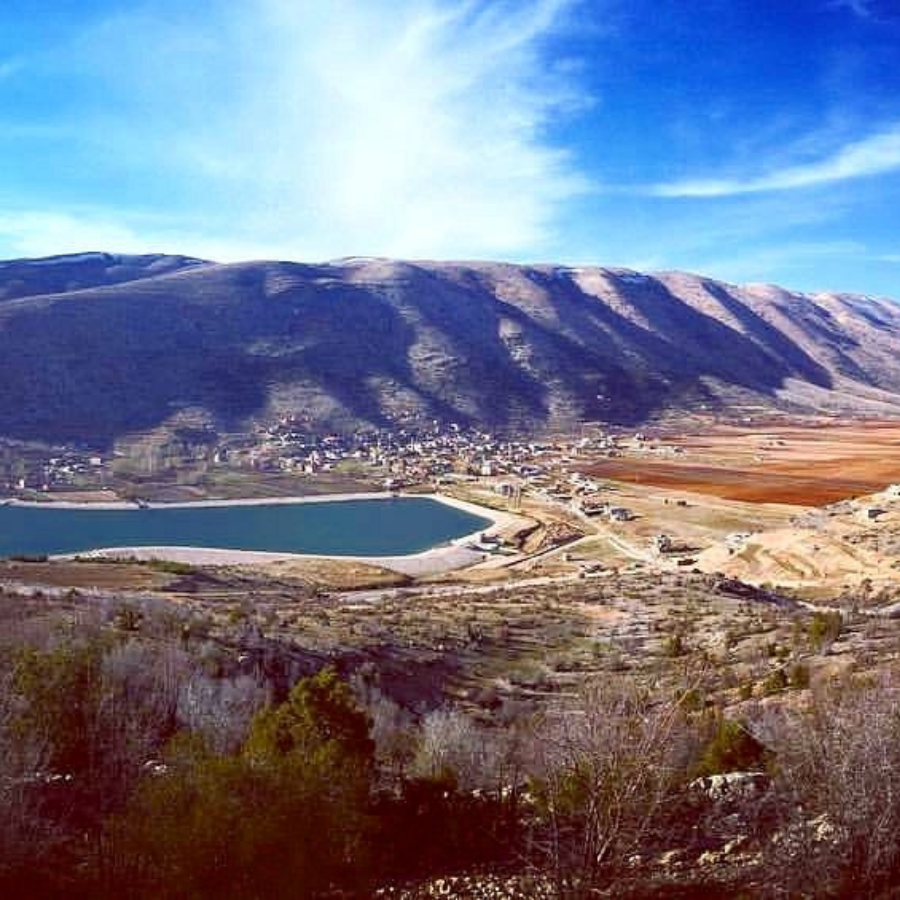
<point x="382" y="527"/>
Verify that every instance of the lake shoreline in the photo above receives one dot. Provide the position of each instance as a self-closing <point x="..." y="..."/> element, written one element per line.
<point x="446" y="557"/>
<point x="497" y="517"/>
<point x="436" y="561"/>
<point x="107" y="505"/>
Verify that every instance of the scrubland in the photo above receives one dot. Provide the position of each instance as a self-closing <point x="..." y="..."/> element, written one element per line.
<point x="174" y="731"/>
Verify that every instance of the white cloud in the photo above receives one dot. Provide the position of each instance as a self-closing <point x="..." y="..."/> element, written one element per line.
<point x="861" y="8"/>
<point x="11" y="66"/>
<point x="40" y="232"/>
<point x="308" y="130"/>
<point x="44" y="232"/>
<point x="877" y="154"/>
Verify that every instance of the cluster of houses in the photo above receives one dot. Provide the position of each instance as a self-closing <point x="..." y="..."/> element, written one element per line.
<point x="602" y="508"/>
<point x="435" y="454"/>
<point x="582" y="495"/>
<point x="36" y="470"/>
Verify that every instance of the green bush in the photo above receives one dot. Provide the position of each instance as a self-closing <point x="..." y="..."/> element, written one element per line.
<point x="56" y="691"/>
<point x="170" y="567"/>
<point x="732" y="748"/>
<point x="675" y="645"/>
<point x="799" y="676"/>
<point x="824" y="628"/>
<point x="774" y="683"/>
<point x="692" y="700"/>
<point x="320" y="715"/>
<point x="288" y="816"/>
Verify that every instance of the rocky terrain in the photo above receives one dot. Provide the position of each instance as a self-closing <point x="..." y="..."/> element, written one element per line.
<point x="95" y="347"/>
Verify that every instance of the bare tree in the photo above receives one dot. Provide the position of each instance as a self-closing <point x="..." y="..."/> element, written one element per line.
<point x="838" y="789"/>
<point x="449" y="745"/>
<point x="609" y="767"/>
<point x="26" y="837"/>
<point x="221" y="709"/>
<point x="393" y="730"/>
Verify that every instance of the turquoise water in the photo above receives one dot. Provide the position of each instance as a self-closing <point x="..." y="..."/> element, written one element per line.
<point x="389" y="527"/>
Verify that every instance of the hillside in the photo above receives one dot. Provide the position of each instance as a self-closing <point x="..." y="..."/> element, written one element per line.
<point x="61" y="274"/>
<point x="94" y="347"/>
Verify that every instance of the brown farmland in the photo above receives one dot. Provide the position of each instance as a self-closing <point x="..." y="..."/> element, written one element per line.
<point x="812" y="464"/>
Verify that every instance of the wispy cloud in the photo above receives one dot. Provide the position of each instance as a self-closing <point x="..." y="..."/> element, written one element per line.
<point x="861" y="8"/>
<point x="32" y="232"/>
<point x="873" y="155"/>
<point x="36" y="232"/>
<point x="395" y="127"/>
<point x="786" y="257"/>
<point x="11" y="66"/>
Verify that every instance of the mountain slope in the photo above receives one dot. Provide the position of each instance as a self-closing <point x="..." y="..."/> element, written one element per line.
<point x="57" y="274"/>
<point x="108" y="349"/>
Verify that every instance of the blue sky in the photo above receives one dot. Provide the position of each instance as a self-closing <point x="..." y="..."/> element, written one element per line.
<point x="749" y="140"/>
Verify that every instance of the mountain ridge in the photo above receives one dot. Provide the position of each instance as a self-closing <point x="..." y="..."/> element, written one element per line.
<point x="95" y="347"/>
<point x="75" y="271"/>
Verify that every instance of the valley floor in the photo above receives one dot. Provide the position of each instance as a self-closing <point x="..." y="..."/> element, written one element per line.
<point x="752" y="610"/>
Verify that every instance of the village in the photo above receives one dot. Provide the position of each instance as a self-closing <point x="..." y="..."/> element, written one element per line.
<point x="542" y="480"/>
<point x="402" y="459"/>
<point x="730" y="498"/>
<point x="439" y="456"/>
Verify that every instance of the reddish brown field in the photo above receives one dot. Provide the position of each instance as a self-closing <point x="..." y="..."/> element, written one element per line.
<point x="735" y="484"/>
<point x="812" y="464"/>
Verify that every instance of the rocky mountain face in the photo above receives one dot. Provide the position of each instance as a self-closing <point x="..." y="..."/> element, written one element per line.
<point x="95" y="347"/>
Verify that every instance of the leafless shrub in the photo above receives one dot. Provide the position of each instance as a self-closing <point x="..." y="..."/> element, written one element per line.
<point x="838" y="789"/>
<point x="26" y="837"/>
<point x="220" y="710"/>
<point x="449" y="746"/>
<point x="610" y="768"/>
<point x="392" y="729"/>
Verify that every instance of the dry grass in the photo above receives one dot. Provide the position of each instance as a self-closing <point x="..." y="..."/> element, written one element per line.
<point x="338" y="575"/>
<point x="66" y="574"/>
